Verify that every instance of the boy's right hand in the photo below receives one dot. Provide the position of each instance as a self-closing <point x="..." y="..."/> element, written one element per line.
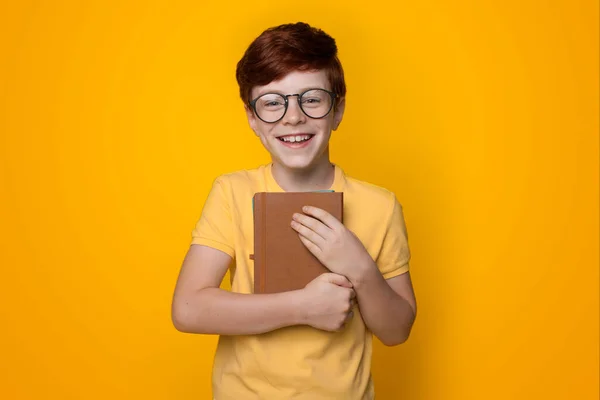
<point x="328" y="302"/>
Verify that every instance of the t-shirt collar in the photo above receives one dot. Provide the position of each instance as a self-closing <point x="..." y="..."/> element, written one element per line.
<point x="337" y="185"/>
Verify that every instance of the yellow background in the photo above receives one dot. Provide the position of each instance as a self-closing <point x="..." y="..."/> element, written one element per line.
<point x="115" y="117"/>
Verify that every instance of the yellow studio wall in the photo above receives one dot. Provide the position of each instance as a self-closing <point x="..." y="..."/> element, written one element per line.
<point x="115" y="117"/>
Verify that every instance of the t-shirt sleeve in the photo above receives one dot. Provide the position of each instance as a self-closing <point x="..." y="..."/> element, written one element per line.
<point x="394" y="257"/>
<point x="215" y="226"/>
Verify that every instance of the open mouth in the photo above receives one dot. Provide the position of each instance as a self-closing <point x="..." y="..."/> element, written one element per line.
<point x="295" y="139"/>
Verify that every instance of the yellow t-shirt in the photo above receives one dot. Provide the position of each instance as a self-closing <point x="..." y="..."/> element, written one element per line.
<point x="297" y="362"/>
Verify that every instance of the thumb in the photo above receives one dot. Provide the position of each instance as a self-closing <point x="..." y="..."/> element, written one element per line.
<point x="339" y="280"/>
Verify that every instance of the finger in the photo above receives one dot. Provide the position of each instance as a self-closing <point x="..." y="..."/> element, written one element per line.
<point x="339" y="280"/>
<point x="313" y="248"/>
<point x="348" y="317"/>
<point x="323" y="216"/>
<point x="308" y="233"/>
<point x="314" y="224"/>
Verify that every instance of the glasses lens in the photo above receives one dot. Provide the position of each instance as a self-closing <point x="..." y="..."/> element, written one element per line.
<point x="270" y="107"/>
<point x="316" y="103"/>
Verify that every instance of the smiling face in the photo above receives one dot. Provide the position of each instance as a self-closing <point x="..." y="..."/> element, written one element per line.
<point x="296" y="141"/>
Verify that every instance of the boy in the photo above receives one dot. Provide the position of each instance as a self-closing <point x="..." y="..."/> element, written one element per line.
<point x="314" y="343"/>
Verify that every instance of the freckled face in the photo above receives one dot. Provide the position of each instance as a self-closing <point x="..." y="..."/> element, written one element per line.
<point x="296" y="141"/>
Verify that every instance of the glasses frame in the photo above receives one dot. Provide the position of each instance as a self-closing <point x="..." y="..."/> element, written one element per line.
<point x="286" y="104"/>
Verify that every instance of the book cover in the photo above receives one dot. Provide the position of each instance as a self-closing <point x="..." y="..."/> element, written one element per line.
<point x="281" y="261"/>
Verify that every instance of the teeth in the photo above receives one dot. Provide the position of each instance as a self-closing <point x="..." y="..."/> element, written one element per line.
<point x="297" y="138"/>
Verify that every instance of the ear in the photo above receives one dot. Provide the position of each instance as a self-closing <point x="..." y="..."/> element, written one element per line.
<point x="251" y="118"/>
<point x="338" y="113"/>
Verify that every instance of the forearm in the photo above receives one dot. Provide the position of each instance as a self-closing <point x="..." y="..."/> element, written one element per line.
<point x="217" y="311"/>
<point x="387" y="314"/>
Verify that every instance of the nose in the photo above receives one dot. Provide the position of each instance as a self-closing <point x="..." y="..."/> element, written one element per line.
<point x="294" y="114"/>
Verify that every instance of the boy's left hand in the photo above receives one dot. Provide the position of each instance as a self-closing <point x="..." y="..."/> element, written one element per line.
<point x="331" y="242"/>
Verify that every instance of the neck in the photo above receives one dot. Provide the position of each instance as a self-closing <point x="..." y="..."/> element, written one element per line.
<point x="318" y="177"/>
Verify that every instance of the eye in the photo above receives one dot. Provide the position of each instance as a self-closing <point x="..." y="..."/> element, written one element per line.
<point x="271" y="101"/>
<point x="311" y="100"/>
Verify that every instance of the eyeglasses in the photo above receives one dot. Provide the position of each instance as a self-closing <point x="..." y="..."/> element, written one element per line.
<point x="314" y="103"/>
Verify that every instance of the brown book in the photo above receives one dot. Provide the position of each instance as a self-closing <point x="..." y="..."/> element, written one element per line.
<point x="281" y="261"/>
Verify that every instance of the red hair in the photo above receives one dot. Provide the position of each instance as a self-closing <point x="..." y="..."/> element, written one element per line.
<point x="286" y="48"/>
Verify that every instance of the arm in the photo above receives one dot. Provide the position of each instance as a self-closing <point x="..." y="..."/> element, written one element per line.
<point x="200" y="306"/>
<point x="388" y="307"/>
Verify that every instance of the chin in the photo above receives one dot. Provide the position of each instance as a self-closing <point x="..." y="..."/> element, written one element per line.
<point x="298" y="163"/>
<point x="302" y="161"/>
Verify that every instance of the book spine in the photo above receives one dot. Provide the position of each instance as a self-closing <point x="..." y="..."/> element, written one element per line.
<point x="259" y="243"/>
<point x="342" y="207"/>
